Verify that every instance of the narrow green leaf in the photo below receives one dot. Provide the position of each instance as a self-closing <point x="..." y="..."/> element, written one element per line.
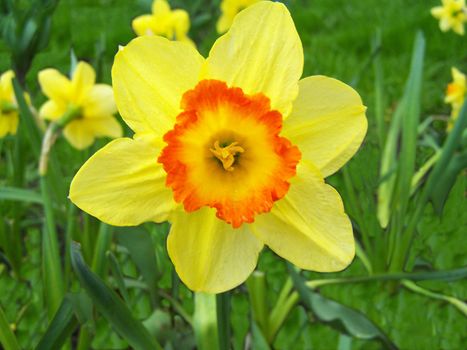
<point x="62" y="326"/>
<point x="141" y="247"/>
<point x="7" y="337"/>
<point x="205" y="322"/>
<point x="20" y="194"/>
<point x="259" y="341"/>
<point x="118" y="276"/>
<point x="337" y="315"/>
<point x="104" y="239"/>
<point x="459" y="304"/>
<point x="111" y="306"/>
<point x="444" y="275"/>
<point x="404" y="123"/>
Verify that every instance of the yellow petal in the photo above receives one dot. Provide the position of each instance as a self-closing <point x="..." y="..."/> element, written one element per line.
<point x="83" y="80"/>
<point x="104" y="126"/>
<point x="308" y="226"/>
<point x="160" y="7"/>
<point x="142" y="25"/>
<point x="149" y="78"/>
<point x="8" y="124"/>
<point x="6" y="86"/>
<point x="51" y="110"/>
<point x="99" y="101"/>
<point x="123" y="185"/>
<point x="181" y="23"/>
<point x="261" y="52"/>
<point x="78" y="134"/>
<point x="208" y="254"/>
<point x="327" y="122"/>
<point x="55" y="85"/>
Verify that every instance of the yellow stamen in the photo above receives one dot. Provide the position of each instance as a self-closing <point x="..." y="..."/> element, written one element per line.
<point x="226" y="154"/>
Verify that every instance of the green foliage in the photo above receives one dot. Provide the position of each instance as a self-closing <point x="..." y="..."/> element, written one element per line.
<point x="131" y="295"/>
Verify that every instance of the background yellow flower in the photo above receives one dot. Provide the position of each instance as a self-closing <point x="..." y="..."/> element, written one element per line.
<point x="229" y="9"/>
<point x="452" y="15"/>
<point x="8" y="109"/>
<point x="455" y="94"/>
<point x="172" y="24"/>
<point x="92" y="105"/>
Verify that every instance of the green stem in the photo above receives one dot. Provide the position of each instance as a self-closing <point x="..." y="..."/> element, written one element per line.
<point x="53" y="278"/>
<point x="205" y="322"/>
<point x="223" y="320"/>
<point x="256" y="285"/>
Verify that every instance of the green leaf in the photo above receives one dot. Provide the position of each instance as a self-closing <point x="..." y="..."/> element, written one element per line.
<point x="62" y="326"/>
<point x="7" y="337"/>
<point x="451" y="164"/>
<point x="141" y="247"/>
<point x="337" y="315"/>
<point x="111" y="306"/>
<point x="20" y="194"/>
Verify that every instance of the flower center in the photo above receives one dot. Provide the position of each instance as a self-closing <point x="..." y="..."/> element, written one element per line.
<point x="225" y="152"/>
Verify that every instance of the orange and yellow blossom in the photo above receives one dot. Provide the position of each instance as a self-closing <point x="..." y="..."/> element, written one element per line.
<point x="92" y="105"/>
<point x="8" y="108"/>
<point x="229" y="9"/>
<point x="452" y="15"/>
<point x="231" y="149"/>
<point x="455" y="94"/>
<point x="172" y="24"/>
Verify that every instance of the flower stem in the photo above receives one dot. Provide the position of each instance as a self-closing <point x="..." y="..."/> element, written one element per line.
<point x="223" y="320"/>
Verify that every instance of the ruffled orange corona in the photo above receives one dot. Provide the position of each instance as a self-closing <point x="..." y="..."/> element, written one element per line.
<point x="232" y="139"/>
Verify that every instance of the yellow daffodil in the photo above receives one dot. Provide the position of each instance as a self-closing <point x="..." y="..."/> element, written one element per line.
<point x="229" y="9"/>
<point x="452" y="15"/>
<point x="232" y="150"/>
<point x="172" y="24"/>
<point x="91" y="106"/>
<point x="8" y="108"/>
<point x="455" y="94"/>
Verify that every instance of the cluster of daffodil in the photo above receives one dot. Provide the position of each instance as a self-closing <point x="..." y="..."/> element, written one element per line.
<point x="452" y="15"/>
<point x="455" y="94"/>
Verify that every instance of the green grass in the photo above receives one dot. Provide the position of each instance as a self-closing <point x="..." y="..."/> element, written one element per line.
<point x="337" y="37"/>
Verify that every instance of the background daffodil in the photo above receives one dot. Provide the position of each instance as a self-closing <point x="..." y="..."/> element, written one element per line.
<point x="455" y="94"/>
<point x="452" y="15"/>
<point x="229" y="9"/>
<point x="172" y="24"/>
<point x="8" y="108"/>
<point x="232" y="150"/>
<point x="92" y="105"/>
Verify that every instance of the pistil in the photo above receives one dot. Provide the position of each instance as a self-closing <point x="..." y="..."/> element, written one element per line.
<point x="226" y="154"/>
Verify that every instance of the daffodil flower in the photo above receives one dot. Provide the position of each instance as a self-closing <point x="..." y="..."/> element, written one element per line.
<point x="172" y="24"/>
<point x="232" y="150"/>
<point x="8" y="108"/>
<point x="229" y="9"/>
<point x="452" y="15"/>
<point x="455" y="94"/>
<point x="89" y="107"/>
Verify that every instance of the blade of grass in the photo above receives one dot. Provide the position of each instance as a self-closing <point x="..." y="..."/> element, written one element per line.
<point x="7" y="337"/>
<point x="20" y="194"/>
<point x="111" y="306"/>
